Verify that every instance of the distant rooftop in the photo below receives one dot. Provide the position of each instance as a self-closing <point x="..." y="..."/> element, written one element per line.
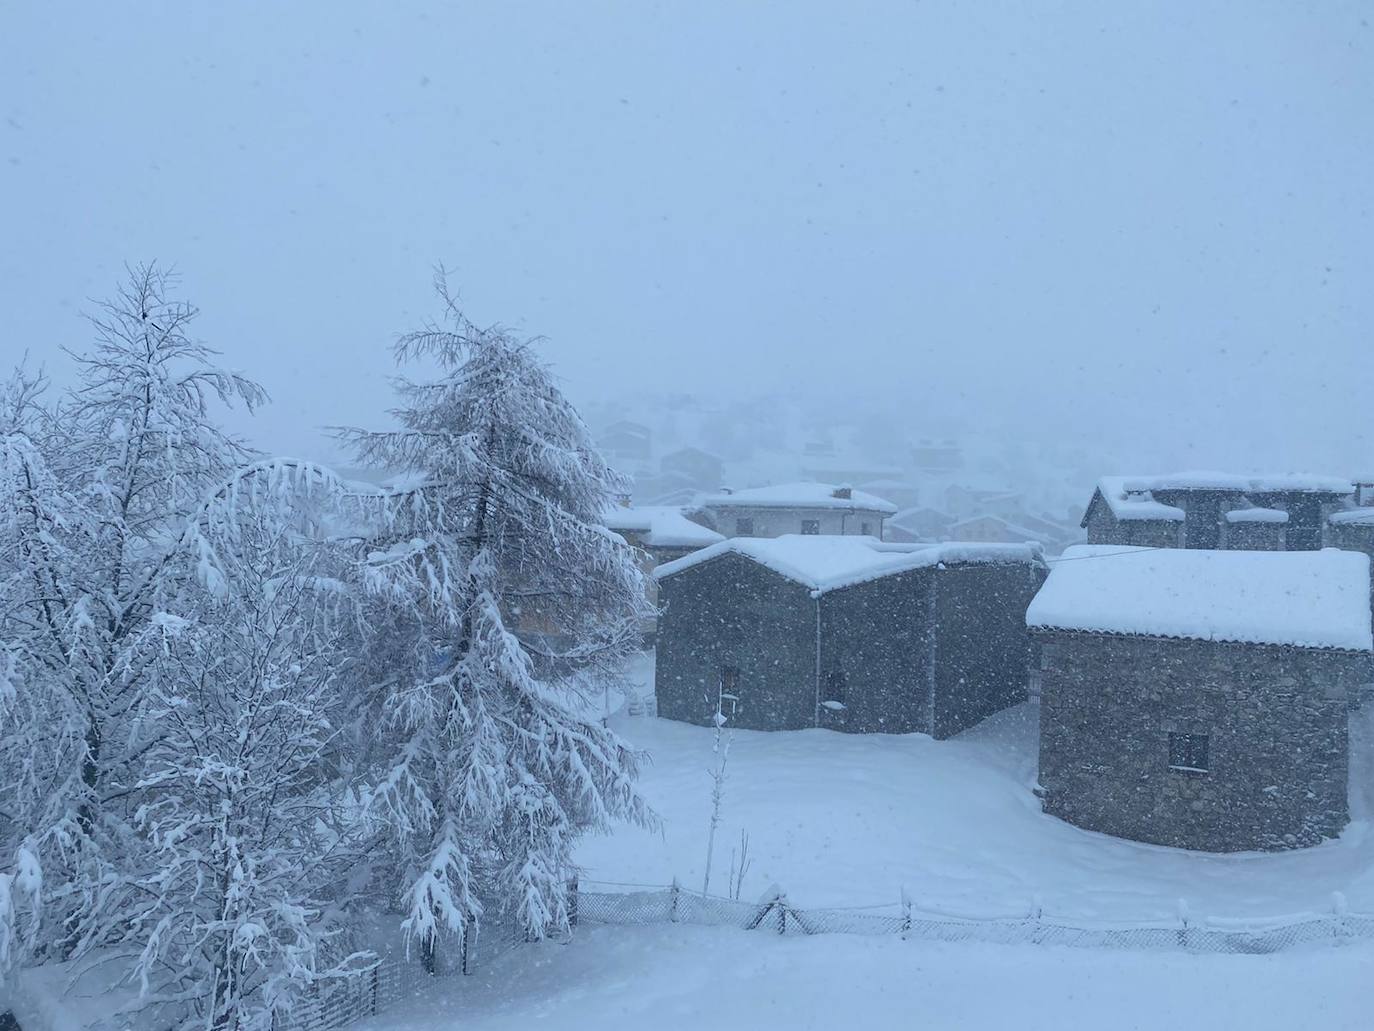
<point x="1308" y="599"/>
<point x="829" y="562"/>
<point x="800" y="495"/>
<point x="1132" y="497"/>
<point x="661" y="526"/>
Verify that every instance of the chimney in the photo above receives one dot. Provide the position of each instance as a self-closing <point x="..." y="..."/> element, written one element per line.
<point x="843" y="493"/>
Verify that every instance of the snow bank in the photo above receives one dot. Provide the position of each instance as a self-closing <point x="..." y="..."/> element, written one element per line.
<point x="798" y="495"/>
<point x="661" y="526"/>
<point x="1309" y="599"/>
<point x="829" y="562"/>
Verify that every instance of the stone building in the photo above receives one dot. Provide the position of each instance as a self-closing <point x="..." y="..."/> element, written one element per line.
<point x="804" y="508"/>
<point x="1201" y="699"/>
<point x="845" y="633"/>
<point x="1217" y="510"/>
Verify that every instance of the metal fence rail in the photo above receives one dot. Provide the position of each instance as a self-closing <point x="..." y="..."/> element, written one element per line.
<point x="673" y="904"/>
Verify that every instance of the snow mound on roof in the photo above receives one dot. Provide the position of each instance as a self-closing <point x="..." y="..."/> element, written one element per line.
<point x="829" y="562"/>
<point x="661" y="526"/>
<point x="1257" y="515"/>
<point x="799" y="495"/>
<point x="1354" y="516"/>
<point x="1309" y="599"/>
<point x="1250" y="483"/>
<point x="1131" y="497"/>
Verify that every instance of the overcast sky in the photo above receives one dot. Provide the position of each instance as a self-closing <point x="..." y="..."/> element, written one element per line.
<point x="1147" y="224"/>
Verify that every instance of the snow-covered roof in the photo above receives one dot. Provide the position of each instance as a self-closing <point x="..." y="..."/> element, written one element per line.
<point x="661" y="526"/>
<point x="828" y="562"/>
<point x="1308" y="599"/>
<point x="1249" y="483"/>
<point x="1132" y="497"/>
<point x="798" y="495"/>
<point x="1354" y="516"/>
<point x="1257" y="515"/>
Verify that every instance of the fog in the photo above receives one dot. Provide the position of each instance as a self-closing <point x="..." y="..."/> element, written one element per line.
<point x="1140" y="236"/>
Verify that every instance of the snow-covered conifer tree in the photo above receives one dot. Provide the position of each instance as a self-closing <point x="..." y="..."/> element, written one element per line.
<point x="498" y="598"/>
<point x="241" y="800"/>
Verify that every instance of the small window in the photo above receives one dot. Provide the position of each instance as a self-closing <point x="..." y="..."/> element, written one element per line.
<point x="744" y="527"/>
<point x="1188" y="752"/>
<point x="836" y="684"/>
<point x="728" y="702"/>
<point x="811" y="526"/>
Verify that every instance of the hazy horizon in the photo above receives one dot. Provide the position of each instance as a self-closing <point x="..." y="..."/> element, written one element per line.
<point x="1068" y="223"/>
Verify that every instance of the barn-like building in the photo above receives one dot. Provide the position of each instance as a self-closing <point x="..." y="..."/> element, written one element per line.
<point x="844" y="632"/>
<point x="1201" y="699"/>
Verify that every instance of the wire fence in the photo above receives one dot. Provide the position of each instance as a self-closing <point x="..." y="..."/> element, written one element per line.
<point x="398" y="978"/>
<point x="673" y="904"/>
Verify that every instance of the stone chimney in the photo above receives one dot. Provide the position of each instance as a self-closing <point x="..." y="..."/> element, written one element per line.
<point x="843" y="493"/>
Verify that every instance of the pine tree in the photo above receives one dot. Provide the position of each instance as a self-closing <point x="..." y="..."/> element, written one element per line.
<point x="498" y="599"/>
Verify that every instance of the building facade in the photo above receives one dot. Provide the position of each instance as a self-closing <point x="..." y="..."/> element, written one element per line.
<point x="840" y="634"/>
<point x="794" y="508"/>
<point x="1201" y="703"/>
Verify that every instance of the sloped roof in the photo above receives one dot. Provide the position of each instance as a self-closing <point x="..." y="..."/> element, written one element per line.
<point x="662" y="526"/>
<point x="798" y="495"/>
<point x="1308" y="599"/>
<point x="824" y="562"/>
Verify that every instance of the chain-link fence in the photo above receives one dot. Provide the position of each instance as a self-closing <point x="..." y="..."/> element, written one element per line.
<point x="674" y="904"/>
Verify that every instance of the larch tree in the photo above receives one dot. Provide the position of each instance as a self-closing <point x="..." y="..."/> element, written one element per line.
<point x="498" y="601"/>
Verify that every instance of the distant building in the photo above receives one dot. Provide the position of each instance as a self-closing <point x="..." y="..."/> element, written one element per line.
<point x="918" y="524"/>
<point x="937" y="456"/>
<point x="1200" y="699"/>
<point x="700" y="468"/>
<point x="626" y="440"/>
<point x="963" y="501"/>
<point x="1216" y="511"/>
<point x="901" y="493"/>
<point x="845" y="633"/>
<point x="997" y="530"/>
<point x="805" y="508"/>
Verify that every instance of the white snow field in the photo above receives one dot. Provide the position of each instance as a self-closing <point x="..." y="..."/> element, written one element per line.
<point x="841" y="820"/>
<point x="672" y="977"/>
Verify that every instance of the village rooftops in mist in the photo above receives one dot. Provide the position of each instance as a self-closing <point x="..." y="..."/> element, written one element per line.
<point x="1304" y="599"/>
<point x="799" y="495"/>
<point x="828" y="562"/>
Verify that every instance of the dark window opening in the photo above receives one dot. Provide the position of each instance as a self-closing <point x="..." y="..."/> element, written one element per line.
<point x="812" y="526"/>
<point x="744" y="527"/>
<point x="866" y="529"/>
<point x="1188" y="752"/>
<point x="728" y="702"/>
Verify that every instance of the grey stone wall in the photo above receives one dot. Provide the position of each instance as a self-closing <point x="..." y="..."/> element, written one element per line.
<point x="1251" y="536"/>
<point x="1105" y="528"/>
<point x="734" y="612"/>
<point x="880" y="636"/>
<point x="982" y="651"/>
<point x="1276" y="720"/>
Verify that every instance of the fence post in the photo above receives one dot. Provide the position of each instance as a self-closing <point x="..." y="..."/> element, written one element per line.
<point x="1183" y="922"/>
<point x="376" y="987"/>
<point x="465" y="950"/>
<point x="782" y="913"/>
<point x="906" y="915"/>
<point x="1338" y="911"/>
<point x="1036" y="915"/>
<point x="673" y="893"/>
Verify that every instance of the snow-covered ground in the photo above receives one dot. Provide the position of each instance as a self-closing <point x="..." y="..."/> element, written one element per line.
<point x="679" y="977"/>
<point x="840" y="819"/>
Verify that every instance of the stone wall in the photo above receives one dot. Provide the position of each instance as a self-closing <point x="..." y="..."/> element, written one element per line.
<point x="982" y="652"/>
<point x="1104" y="528"/>
<point x="1275" y="718"/>
<point x="732" y="612"/>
